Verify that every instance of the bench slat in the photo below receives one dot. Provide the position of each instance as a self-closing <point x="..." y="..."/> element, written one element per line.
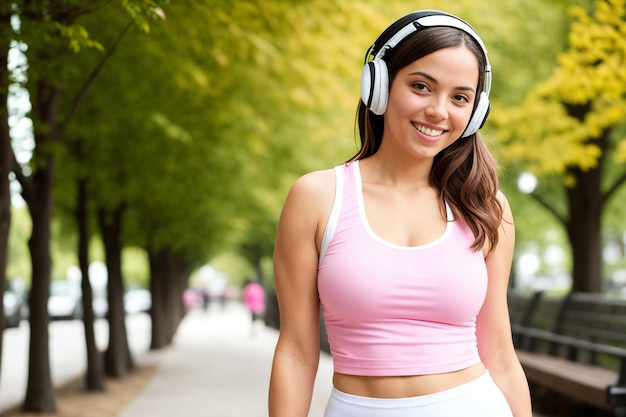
<point x="584" y="382"/>
<point x="570" y="341"/>
<point x="576" y="346"/>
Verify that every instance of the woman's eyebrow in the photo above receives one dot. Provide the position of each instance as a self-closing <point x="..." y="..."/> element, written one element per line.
<point x="434" y="80"/>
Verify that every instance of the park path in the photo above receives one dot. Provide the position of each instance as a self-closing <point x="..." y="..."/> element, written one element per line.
<point x="219" y="366"/>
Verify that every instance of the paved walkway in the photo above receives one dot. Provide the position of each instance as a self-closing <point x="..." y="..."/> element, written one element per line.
<point x="219" y="366"/>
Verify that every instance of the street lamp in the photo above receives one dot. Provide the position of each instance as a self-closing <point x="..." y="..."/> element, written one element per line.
<point x="527" y="182"/>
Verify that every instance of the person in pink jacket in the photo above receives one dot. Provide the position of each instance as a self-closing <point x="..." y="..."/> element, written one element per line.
<point x="254" y="298"/>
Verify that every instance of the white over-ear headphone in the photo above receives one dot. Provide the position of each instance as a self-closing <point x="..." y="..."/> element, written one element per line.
<point x="375" y="76"/>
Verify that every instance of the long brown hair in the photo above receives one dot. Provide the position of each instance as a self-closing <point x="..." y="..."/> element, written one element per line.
<point x="465" y="173"/>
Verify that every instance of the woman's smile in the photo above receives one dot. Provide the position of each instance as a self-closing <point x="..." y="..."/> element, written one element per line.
<point x="429" y="132"/>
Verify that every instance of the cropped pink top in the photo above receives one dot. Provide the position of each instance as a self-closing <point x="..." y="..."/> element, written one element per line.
<point x="391" y="310"/>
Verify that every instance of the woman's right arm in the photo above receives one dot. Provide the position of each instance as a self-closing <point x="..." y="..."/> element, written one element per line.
<point x="297" y="351"/>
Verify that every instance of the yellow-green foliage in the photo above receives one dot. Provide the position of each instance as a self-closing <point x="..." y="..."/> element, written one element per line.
<point x="545" y="131"/>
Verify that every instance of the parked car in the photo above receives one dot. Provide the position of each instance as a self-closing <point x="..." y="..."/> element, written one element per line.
<point x="65" y="301"/>
<point x="100" y="306"/>
<point x="137" y="300"/>
<point x="12" y="309"/>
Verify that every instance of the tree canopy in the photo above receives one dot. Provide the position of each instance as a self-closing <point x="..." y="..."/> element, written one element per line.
<point x="186" y="122"/>
<point x="569" y="132"/>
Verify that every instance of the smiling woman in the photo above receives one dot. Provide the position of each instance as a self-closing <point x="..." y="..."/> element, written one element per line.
<point x="406" y="247"/>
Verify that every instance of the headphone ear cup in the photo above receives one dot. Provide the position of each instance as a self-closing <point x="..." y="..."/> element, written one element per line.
<point x="375" y="86"/>
<point x="479" y="117"/>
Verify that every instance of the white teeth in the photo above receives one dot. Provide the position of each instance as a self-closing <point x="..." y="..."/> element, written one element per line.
<point x="429" y="132"/>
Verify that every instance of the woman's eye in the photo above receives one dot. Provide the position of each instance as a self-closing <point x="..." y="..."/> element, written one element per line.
<point x="461" y="97"/>
<point x="420" y="86"/>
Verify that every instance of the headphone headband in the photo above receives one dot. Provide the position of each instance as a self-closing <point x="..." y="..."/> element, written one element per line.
<point x="405" y="26"/>
<point x="375" y="76"/>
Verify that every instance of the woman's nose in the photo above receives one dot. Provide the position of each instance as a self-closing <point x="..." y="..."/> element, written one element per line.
<point x="436" y="109"/>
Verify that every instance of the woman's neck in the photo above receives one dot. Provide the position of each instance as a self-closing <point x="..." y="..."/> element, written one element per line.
<point x="395" y="172"/>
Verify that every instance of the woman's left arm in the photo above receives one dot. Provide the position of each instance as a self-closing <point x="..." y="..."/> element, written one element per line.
<point x="493" y="328"/>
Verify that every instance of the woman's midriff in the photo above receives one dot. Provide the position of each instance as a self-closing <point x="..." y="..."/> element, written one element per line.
<point x="404" y="386"/>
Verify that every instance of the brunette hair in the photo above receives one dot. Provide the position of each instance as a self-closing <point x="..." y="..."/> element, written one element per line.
<point x="465" y="173"/>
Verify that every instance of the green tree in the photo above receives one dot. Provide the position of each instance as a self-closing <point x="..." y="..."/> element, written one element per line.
<point x="5" y="154"/>
<point x="190" y="136"/>
<point x="52" y="37"/>
<point x="569" y="132"/>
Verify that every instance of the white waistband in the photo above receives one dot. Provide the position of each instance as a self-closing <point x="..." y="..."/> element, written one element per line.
<point x="458" y="391"/>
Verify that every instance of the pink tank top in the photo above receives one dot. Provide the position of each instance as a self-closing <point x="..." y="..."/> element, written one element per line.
<point x="391" y="310"/>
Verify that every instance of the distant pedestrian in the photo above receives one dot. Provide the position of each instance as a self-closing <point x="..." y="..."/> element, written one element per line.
<point x="204" y="293"/>
<point x="254" y="298"/>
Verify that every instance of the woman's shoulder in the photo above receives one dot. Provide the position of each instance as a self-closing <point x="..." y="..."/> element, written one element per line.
<point x="309" y="202"/>
<point x="315" y="184"/>
<point x="312" y="193"/>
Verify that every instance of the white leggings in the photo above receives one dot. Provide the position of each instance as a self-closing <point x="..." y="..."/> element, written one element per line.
<point x="478" y="398"/>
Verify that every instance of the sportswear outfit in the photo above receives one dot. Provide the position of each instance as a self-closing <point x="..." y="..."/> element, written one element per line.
<point x="392" y="310"/>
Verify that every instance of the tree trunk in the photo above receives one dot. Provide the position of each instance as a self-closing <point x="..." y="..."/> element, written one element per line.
<point x="584" y="226"/>
<point x="118" y="359"/>
<point x="169" y="289"/>
<point x="180" y="279"/>
<point x="38" y="194"/>
<point x="259" y="272"/>
<point x="169" y="276"/>
<point x="5" y="164"/>
<point x="39" y="391"/>
<point x="157" y="313"/>
<point x="94" y="378"/>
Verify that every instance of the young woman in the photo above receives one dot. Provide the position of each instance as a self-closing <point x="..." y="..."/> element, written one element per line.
<point x="406" y="248"/>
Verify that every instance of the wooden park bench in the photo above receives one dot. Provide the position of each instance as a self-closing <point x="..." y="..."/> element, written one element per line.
<point x="574" y="345"/>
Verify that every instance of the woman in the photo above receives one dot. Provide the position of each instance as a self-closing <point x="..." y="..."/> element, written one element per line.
<point x="407" y="247"/>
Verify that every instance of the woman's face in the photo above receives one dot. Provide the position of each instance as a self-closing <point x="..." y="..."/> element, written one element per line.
<point x="431" y="101"/>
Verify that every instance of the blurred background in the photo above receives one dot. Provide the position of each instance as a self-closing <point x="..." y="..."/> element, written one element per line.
<point x="147" y="147"/>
